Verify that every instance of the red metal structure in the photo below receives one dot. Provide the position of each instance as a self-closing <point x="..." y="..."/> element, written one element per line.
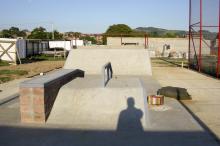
<point x="204" y="29"/>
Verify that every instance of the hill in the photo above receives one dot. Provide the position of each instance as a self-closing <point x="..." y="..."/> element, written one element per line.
<point x="160" y="32"/>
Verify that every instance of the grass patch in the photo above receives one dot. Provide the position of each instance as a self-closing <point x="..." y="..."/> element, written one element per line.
<point x="13" y="72"/>
<point x="41" y="57"/>
<point x="169" y="62"/>
<point x="5" y="79"/>
<point x="4" y="63"/>
<point x="8" y="75"/>
<point x="47" y="57"/>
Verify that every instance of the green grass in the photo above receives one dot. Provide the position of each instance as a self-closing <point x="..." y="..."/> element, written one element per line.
<point x="5" y="79"/>
<point x="13" y="72"/>
<point x="8" y="75"/>
<point x="4" y="63"/>
<point x="47" y="57"/>
<point x="42" y="57"/>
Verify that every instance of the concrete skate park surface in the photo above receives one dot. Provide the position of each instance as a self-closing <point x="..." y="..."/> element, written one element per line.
<point x="87" y="105"/>
<point x="87" y="114"/>
<point x="94" y="106"/>
<point x="124" y="61"/>
<point x="84" y="104"/>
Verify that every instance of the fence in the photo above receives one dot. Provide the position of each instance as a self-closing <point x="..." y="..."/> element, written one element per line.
<point x="34" y="47"/>
<point x="13" y="49"/>
<point x="204" y="44"/>
<point x="8" y="50"/>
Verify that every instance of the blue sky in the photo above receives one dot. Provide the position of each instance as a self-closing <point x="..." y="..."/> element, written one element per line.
<point x="94" y="16"/>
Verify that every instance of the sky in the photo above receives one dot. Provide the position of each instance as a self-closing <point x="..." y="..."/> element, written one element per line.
<point x="94" y="16"/>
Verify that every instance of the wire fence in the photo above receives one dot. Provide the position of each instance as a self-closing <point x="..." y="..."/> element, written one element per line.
<point x="204" y="28"/>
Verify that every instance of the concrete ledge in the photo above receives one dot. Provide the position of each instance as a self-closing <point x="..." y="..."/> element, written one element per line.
<point x="37" y="95"/>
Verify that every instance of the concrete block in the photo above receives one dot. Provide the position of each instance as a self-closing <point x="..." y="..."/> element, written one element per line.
<point x="38" y="95"/>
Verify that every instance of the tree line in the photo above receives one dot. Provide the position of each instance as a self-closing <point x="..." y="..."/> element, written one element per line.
<point x="116" y="30"/>
<point x="41" y="33"/>
<point x="36" y="33"/>
<point x="124" y="30"/>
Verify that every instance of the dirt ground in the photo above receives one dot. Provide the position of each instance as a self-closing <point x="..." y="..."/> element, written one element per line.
<point x="35" y="68"/>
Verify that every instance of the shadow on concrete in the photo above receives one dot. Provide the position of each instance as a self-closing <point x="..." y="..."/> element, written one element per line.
<point x="129" y="132"/>
<point x="130" y="118"/>
<point x="201" y="123"/>
<point x="24" y="136"/>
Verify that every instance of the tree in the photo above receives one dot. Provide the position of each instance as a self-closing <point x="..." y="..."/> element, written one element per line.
<point x="77" y="34"/>
<point x="13" y="32"/>
<point x="154" y="34"/>
<point x="88" y="38"/>
<point x="57" y="35"/>
<point x="39" y="33"/>
<point x="170" y="35"/>
<point x="6" y="33"/>
<point x="118" y="29"/>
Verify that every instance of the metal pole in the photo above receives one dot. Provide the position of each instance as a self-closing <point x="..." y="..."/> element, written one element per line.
<point x="145" y="41"/>
<point x="121" y="39"/>
<point x="190" y="15"/>
<point x="218" y="64"/>
<point x="75" y="40"/>
<point x="200" y="46"/>
<point x="52" y="31"/>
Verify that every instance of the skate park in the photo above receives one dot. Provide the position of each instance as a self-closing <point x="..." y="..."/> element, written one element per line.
<point x="102" y="94"/>
<point x="106" y="104"/>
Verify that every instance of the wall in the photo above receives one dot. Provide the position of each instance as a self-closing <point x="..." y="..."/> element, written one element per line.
<point x="176" y="44"/>
<point x="77" y="43"/>
<point x="156" y="44"/>
<point x="60" y="44"/>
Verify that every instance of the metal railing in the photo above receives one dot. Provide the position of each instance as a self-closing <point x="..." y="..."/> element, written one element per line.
<point x="107" y="73"/>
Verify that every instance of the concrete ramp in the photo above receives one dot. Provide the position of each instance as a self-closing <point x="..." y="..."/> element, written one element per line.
<point x="124" y="61"/>
<point x="84" y="104"/>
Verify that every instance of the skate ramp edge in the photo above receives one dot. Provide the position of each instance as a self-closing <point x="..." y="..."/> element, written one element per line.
<point x="124" y="61"/>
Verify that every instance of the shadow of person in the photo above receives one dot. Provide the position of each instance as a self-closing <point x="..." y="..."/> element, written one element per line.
<point x="130" y="119"/>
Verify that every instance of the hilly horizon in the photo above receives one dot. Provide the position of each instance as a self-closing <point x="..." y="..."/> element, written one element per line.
<point x="160" y="31"/>
<point x="180" y="33"/>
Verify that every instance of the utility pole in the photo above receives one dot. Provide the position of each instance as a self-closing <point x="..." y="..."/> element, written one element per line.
<point x="52" y="26"/>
